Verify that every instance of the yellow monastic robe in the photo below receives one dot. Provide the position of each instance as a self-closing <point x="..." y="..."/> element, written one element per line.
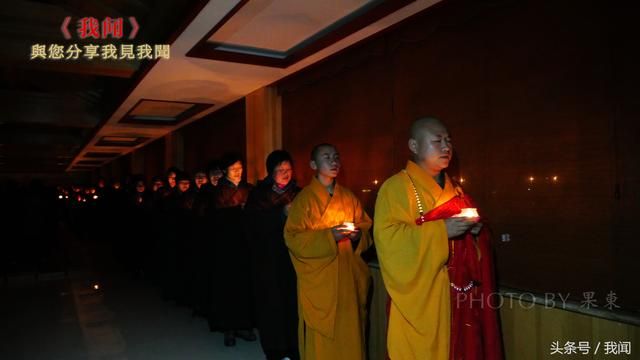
<point x="332" y="277"/>
<point x="413" y="264"/>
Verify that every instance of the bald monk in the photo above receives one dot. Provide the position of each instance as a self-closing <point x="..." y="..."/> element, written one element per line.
<point x="332" y="278"/>
<point x="432" y="262"/>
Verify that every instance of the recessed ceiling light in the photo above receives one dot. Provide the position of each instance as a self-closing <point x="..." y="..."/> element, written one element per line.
<point x="162" y="112"/>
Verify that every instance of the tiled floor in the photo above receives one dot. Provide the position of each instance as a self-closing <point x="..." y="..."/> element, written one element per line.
<point x="124" y="319"/>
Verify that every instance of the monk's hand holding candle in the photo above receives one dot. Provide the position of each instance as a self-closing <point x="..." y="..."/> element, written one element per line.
<point x="475" y="229"/>
<point x="468" y="219"/>
<point x="354" y="234"/>
<point x="346" y="230"/>
<point x="457" y="226"/>
<point x="340" y="232"/>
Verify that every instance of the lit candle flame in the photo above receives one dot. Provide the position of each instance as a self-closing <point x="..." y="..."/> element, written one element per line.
<point x="96" y="287"/>
<point x="468" y="213"/>
<point x="349" y="226"/>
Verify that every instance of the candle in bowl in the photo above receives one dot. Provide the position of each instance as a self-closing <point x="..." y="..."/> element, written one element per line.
<point x="468" y="213"/>
<point x="349" y="226"/>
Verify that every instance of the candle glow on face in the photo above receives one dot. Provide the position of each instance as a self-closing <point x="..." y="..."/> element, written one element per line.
<point x="468" y="213"/>
<point x="349" y="226"/>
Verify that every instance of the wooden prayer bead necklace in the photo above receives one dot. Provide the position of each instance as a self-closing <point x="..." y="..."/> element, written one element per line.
<point x="421" y="220"/>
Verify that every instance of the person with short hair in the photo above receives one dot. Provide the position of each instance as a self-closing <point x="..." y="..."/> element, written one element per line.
<point x="433" y="261"/>
<point x="326" y="232"/>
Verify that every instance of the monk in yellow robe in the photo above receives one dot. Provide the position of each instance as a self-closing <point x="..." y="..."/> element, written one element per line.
<point x="413" y="254"/>
<point x="326" y="232"/>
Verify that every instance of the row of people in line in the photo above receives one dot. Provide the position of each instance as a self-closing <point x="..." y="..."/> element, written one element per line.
<point x="289" y="260"/>
<point x="212" y="242"/>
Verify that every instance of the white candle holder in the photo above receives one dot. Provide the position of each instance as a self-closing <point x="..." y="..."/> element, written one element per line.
<point x="349" y="226"/>
<point x="468" y="213"/>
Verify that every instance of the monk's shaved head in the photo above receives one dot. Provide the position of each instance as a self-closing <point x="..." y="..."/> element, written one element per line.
<point x="430" y="143"/>
<point x="422" y="125"/>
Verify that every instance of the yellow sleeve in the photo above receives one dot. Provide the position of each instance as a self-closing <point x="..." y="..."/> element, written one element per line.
<point x="411" y="257"/>
<point x="364" y="222"/>
<point x="314" y="258"/>
<point x="306" y="243"/>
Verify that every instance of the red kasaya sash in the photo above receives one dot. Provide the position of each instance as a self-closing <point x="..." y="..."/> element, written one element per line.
<point x="475" y="332"/>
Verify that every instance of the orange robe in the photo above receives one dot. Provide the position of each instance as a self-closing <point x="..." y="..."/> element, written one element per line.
<point x="332" y="278"/>
<point x="413" y="264"/>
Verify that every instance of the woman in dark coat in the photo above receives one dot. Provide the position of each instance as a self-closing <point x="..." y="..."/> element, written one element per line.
<point x="231" y="310"/>
<point x="274" y="278"/>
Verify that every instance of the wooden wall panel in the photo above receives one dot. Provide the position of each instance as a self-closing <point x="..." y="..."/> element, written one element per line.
<point x="528" y="89"/>
<point x="625" y="55"/>
<point x="528" y="329"/>
<point x="342" y="110"/>
<point x="154" y="159"/>
<point x="213" y="135"/>
<point x="121" y="168"/>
